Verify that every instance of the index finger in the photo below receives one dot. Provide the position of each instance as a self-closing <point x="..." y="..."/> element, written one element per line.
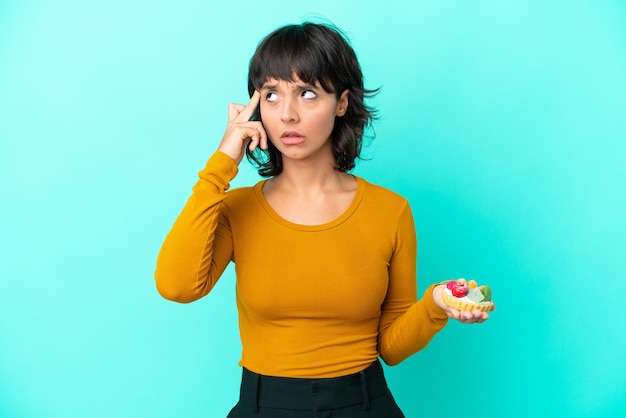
<point x="248" y="111"/>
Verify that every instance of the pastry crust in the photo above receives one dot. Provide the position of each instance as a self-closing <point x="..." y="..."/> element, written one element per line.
<point x="462" y="305"/>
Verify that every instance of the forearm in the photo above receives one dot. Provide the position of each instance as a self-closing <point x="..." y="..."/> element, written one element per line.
<point x="189" y="263"/>
<point x="412" y="331"/>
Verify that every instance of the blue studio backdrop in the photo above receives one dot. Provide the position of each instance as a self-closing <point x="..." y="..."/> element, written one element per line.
<point x="501" y="121"/>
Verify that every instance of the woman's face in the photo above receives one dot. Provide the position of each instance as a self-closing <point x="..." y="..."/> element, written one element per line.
<point x="300" y="117"/>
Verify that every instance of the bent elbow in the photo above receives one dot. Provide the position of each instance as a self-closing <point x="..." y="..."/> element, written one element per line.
<point x="391" y="360"/>
<point x="172" y="292"/>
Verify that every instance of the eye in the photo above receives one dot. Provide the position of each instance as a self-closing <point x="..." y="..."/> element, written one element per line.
<point x="271" y="96"/>
<point x="308" y="94"/>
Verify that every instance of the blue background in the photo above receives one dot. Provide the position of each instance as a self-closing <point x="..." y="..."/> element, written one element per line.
<point x="502" y="122"/>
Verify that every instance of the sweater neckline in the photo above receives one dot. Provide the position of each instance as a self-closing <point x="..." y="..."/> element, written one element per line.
<point x="356" y="201"/>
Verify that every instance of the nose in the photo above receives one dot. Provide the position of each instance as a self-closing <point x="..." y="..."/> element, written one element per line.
<point x="289" y="110"/>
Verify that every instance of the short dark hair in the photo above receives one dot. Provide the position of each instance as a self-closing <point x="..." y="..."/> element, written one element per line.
<point x="314" y="53"/>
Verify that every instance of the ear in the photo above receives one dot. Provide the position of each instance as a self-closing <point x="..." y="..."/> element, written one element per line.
<point x="342" y="103"/>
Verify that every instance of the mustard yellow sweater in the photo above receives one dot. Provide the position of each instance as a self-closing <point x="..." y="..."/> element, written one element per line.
<point x="313" y="301"/>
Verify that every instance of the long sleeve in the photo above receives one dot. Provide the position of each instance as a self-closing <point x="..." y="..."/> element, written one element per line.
<point x="199" y="246"/>
<point x="406" y="325"/>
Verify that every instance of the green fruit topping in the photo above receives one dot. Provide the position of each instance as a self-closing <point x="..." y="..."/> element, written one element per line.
<point x="486" y="291"/>
<point x="475" y="295"/>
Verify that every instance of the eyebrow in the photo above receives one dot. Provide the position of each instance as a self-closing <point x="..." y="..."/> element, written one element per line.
<point x="301" y="86"/>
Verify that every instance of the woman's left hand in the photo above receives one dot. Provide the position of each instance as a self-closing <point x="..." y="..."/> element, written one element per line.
<point x="466" y="317"/>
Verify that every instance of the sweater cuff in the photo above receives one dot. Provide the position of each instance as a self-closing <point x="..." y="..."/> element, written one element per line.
<point x="434" y="312"/>
<point x="220" y="169"/>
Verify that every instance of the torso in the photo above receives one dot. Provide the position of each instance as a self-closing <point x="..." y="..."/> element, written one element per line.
<point x="312" y="298"/>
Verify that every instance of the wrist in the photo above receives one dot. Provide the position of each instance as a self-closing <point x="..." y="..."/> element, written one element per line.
<point x="235" y="156"/>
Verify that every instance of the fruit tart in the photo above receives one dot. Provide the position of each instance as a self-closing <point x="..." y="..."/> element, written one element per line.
<point x="466" y="295"/>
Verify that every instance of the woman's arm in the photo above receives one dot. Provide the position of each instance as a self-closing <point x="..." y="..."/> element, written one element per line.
<point x="406" y="326"/>
<point x="199" y="246"/>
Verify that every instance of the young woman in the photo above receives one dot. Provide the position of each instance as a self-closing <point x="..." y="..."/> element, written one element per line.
<point x="325" y="261"/>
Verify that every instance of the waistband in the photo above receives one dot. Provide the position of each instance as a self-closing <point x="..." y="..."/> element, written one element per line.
<point x="260" y="391"/>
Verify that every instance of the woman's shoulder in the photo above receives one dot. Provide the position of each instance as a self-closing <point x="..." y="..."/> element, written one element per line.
<point x="373" y="190"/>
<point x="387" y="207"/>
<point x="241" y="192"/>
<point x="242" y="196"/>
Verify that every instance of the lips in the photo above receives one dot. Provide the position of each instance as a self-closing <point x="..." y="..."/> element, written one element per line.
<point x="292" y="138"/>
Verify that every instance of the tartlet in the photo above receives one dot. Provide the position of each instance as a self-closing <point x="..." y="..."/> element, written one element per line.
<point x="467" y="296"/>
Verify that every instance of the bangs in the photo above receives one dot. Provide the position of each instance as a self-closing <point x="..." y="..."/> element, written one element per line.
<point x="289" y="53"/>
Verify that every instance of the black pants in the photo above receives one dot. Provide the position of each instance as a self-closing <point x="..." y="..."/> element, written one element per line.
<point x="363" y="394"/>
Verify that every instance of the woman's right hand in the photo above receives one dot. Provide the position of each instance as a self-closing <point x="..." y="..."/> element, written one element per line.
<point x="241" y="131"/>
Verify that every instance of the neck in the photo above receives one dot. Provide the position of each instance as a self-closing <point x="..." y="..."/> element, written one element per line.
<point x="309" y="177"/>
